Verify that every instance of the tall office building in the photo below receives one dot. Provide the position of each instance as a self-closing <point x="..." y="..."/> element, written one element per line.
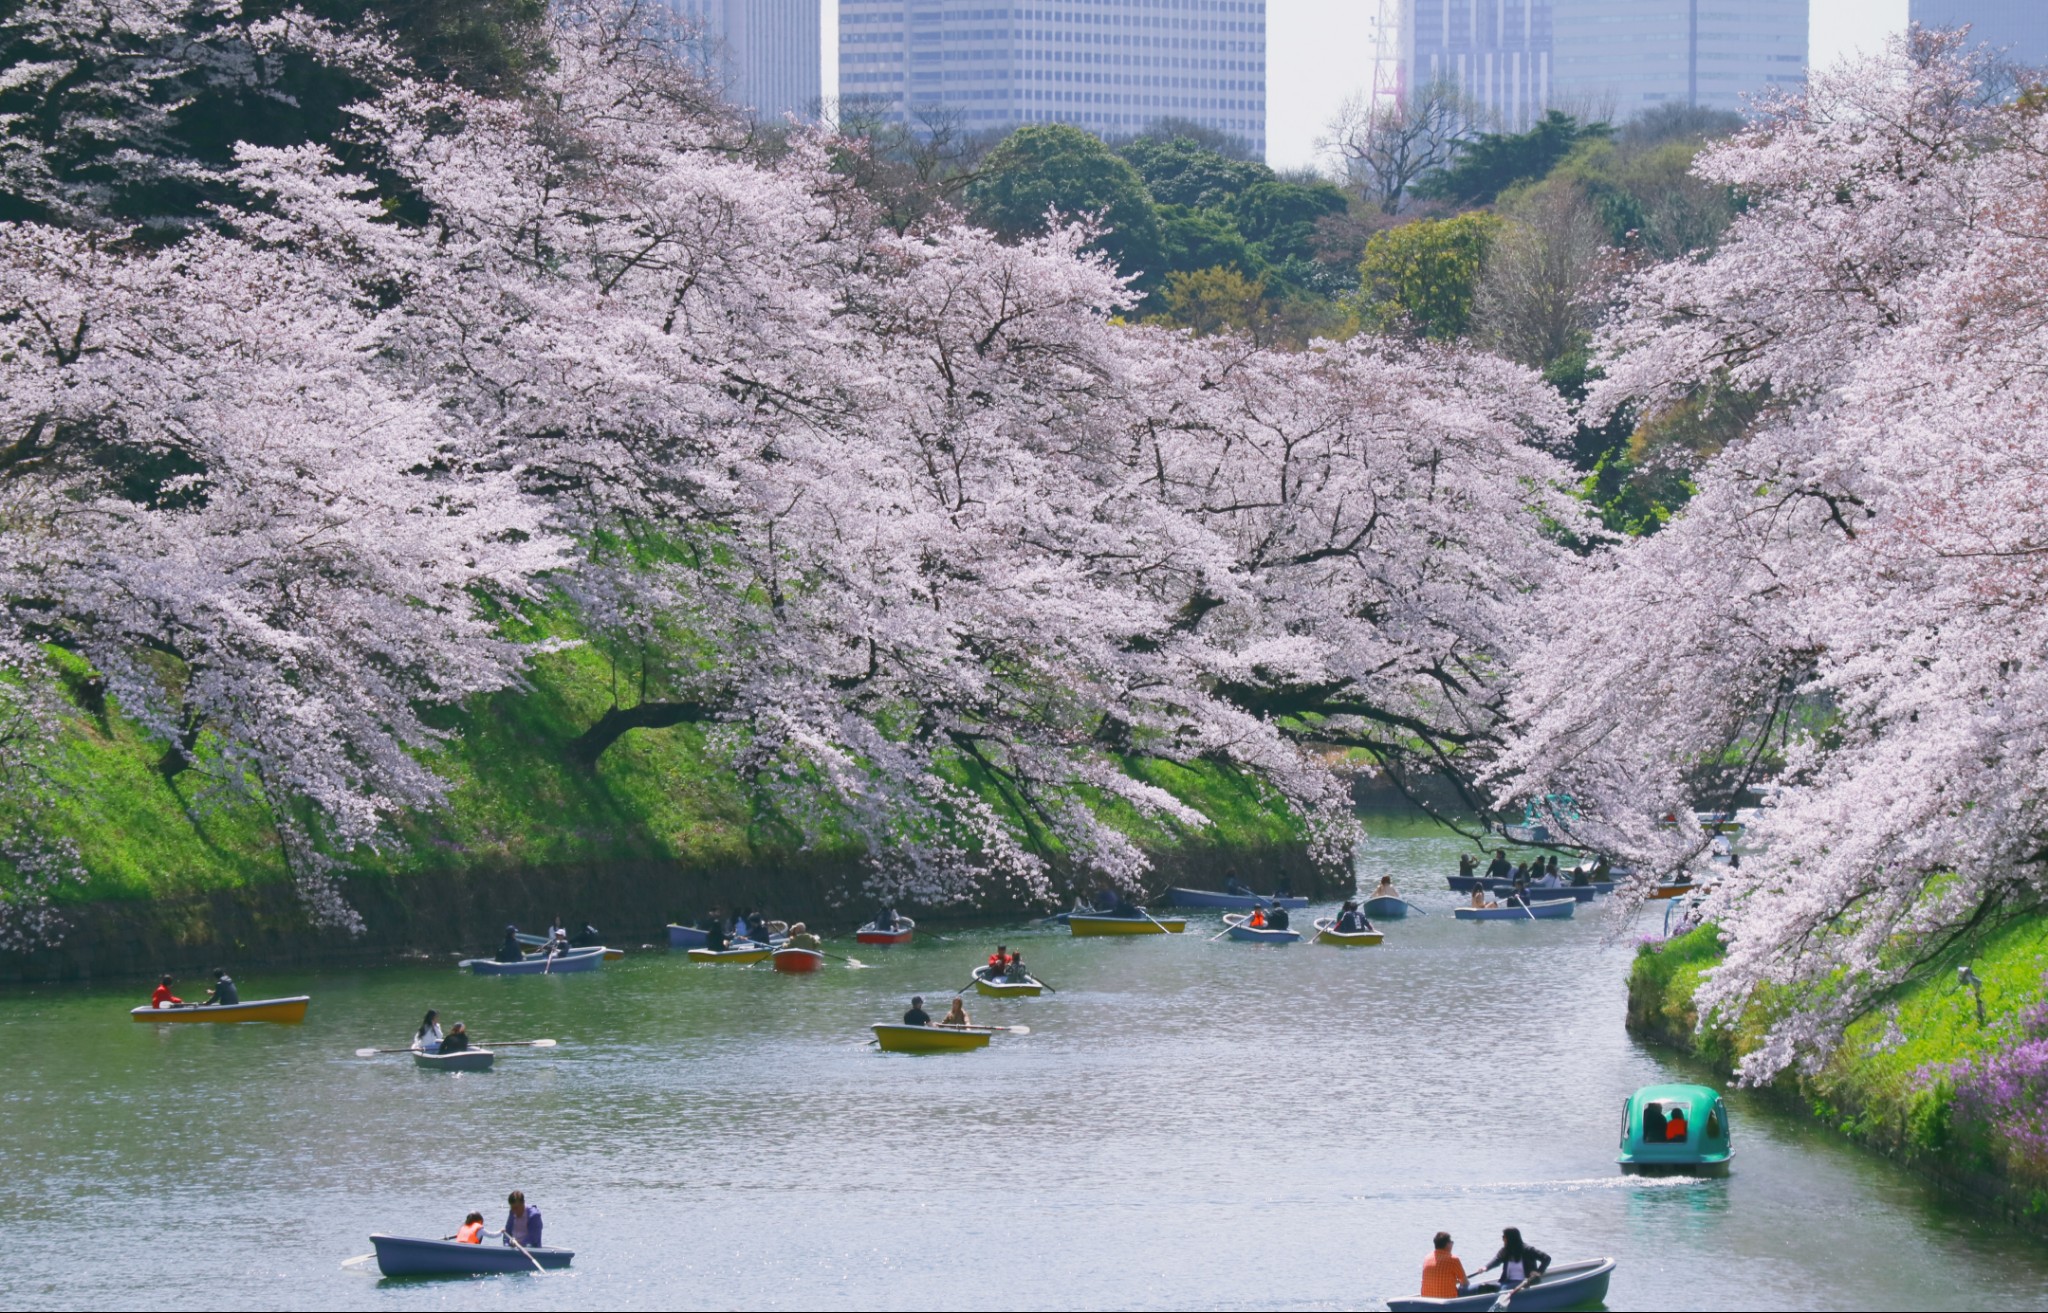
<point x="765" y="53"/>
<point x="2018" y="27"/>
<point x="1605" y="58"/>
<point x="1497" y="52"/>
<point x="1620" y="57"/>
<point x="1110" y="66"/>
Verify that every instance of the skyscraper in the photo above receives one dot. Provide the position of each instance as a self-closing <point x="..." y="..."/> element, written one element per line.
<point x="1617" y="58"/>
<point x="2020" y="27"/>
<point x="764" y="53"/>
<point x="1607" y="58"/>
<point x="1497" y="52"/>
<point x="1111" y="66"/>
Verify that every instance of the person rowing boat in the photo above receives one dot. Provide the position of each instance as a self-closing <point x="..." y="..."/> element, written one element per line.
<point x="1352" y="921"/>
<point x="522" y="1222"/>
<point x="1521" y="1265"/>
<point x="800" y="937"/>
<point x="223" y="994"/>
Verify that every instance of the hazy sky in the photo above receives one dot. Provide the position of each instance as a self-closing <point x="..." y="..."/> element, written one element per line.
<point x="1320" y="51"/>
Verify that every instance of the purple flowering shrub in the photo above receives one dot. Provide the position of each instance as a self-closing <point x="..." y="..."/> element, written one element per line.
<point x="2005" y="1093"/>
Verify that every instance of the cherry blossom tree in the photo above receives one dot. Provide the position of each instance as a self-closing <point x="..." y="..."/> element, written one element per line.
<point x="1853" y="601"/>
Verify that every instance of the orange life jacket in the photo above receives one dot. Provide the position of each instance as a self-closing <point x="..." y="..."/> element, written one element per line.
<point x="472" y="1233"/>
<point x="1258" y="918"/>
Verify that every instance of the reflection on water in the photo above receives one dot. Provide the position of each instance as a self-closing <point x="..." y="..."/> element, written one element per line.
<point x="1190" y="1125"/>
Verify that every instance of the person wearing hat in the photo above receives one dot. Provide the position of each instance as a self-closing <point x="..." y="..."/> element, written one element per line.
<point x="223" y="994"/>
<point x="511" y="950"/>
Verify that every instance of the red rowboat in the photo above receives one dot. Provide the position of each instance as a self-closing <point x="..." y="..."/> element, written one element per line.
<point x="798" y="961"/>
<point x="869" y="934"/>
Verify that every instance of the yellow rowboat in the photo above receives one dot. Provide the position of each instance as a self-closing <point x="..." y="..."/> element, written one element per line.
<point x="930" y="1039"/>
<point x="1347" y="938"/>
<point x="1007" y="988"/>
<point x="289" y="1011"/>
<point x="1083" y="926"/>
<point x="740" y="956"/>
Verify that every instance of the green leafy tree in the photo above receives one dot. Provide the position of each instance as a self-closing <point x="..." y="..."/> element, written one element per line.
<point x="1182" y="171"/>
<point x="1211" y="301"/>
<point x="1279" y="218"/>
<point x="1191" y="239"/>
<point x="1496" y="161"/>
<point x="1052" y="166"/>
<point x="1421" y="277"/>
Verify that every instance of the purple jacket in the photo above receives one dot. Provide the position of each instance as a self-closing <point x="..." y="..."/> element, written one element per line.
<point x="529" y="1234"/>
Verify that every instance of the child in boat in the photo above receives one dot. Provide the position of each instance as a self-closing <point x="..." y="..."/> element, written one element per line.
<point x="163" y="997"/>
<point x="957" y="1014"/>
<point x="1258" y="918"/>
<point x="472" y="1232"/>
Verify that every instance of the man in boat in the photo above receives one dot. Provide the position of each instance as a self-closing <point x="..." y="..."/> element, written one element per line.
<point x="1014" y="971"/>
<point x="1350" y="920"/>
<point x="522" y="1224"/>
<point x="456" y="1040"/>
<point x="1467" y="864"/>
<point x="1443" y="1273"/>
<point x="1277" y="918"/>
<point x="511" y="950"/>
<point x="917" y="1016"/>
<point x="1521" y="1265"/>
<point x="799" y="937"/>
<point x="715" y="937"/>
<point x="1500" y="868"/>
<point x="223" y="994"/>
<point x="885" y="920"/>
<point x="163" y="997"/>
<point x="998" y="961"/>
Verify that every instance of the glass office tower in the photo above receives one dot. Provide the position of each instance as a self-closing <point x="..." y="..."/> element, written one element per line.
<point x="2018" y="27"/>
<point x="1110" y="66"/>
<point x="766" y="54"/>
<point x="1497" y="52"/>
<point x="1617" y="58"/>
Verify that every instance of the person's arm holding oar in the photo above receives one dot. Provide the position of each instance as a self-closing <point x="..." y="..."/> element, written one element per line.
<point x="1230" y="923"/>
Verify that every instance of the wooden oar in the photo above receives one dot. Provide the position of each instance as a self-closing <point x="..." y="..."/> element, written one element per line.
<point x="854" y="962"/>
<point x="359" y="1258"/>
<point x="1230" y="923"/>
<point x="524" y="1250"/>
<point x="1155" y="921"/>
<point x="1014" y="1030"/>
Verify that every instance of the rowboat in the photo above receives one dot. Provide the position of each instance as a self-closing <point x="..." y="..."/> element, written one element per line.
<point x="1465" y="884"/>
<point x="1565" y="1285"/>
<point x="289" y="1011"/>
<point x="1098" y="923"/>
<point x="1389" y="908"/>
<point x="1025" y="988"/>
<point x="576" y="959"/>
<point x="686" y="936"/>
<point x="930" y="1039"/>
<point x="744" y="954"/>
<point x="873" y="934"/>
<point x="1703" y="1145"/>
<point x="467" y="1060"/>
<point x="1346" y="938"/>
<point x="1247" y="934"/>
<point x="797" y="961"/>
<point x="541" y="941"/>
<point x="1534" y="911"/>
<point x="1671" y="891"/>
<point x="1210" y="898"/>
<point x="405" y="1256"/>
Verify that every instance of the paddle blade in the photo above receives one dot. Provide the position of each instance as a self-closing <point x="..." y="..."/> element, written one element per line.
<point x="544" y="1044"/>
<point x="1016" y="1030"/>
<point x="365" y="1053"/>
<point x="359" y="1258"/>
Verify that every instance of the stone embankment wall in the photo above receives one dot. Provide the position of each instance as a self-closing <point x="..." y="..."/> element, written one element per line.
<point x="467" y="910"/>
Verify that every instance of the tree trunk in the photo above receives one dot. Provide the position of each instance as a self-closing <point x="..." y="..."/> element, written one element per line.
<point x="588" y="746"/>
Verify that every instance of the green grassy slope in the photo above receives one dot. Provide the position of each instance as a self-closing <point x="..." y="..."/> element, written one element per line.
<point x="516" y="801"/>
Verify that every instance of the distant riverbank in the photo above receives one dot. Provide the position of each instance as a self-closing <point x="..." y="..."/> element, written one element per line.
<point x="1923" y="1081"/>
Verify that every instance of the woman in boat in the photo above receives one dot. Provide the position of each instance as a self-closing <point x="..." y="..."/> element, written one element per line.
<point x="427" y="1039"/>
<point x="456" y="1040"/>
<point x="1520" y="1265"/>
<point x="799" y="937"/>
<point x="472" y="1232"/>
<point x="1385" y="888"/>
<point x="511" y="950"/>
<point x="957" y="1014"/>
<point x="163" y="997"/>
<point x="522" y="1224"/>
<point x="1480" y="902"/>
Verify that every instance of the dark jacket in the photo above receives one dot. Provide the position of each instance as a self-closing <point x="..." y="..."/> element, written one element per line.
<point x="511" y="950"/>
<point x="1534" y="1261"/>
<point x="225" y="993"/>
<point x="530" y="1234"/>
<point x="455" y="1041"/>
<point x="917" y="1017"/>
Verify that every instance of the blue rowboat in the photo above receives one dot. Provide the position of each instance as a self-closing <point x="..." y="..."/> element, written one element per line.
<point x="404" y="1256"/>
<point x="1465" y="884"/>
<point x="687" y="936"/>
<point x="1565" y="1285"/>
<point x="1385" y="909"/>
<point x="1534" y="911"/>
<point x="1245" y="934"/>
<point x="1211" y="898"/>
<point x="576" y="959"/>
